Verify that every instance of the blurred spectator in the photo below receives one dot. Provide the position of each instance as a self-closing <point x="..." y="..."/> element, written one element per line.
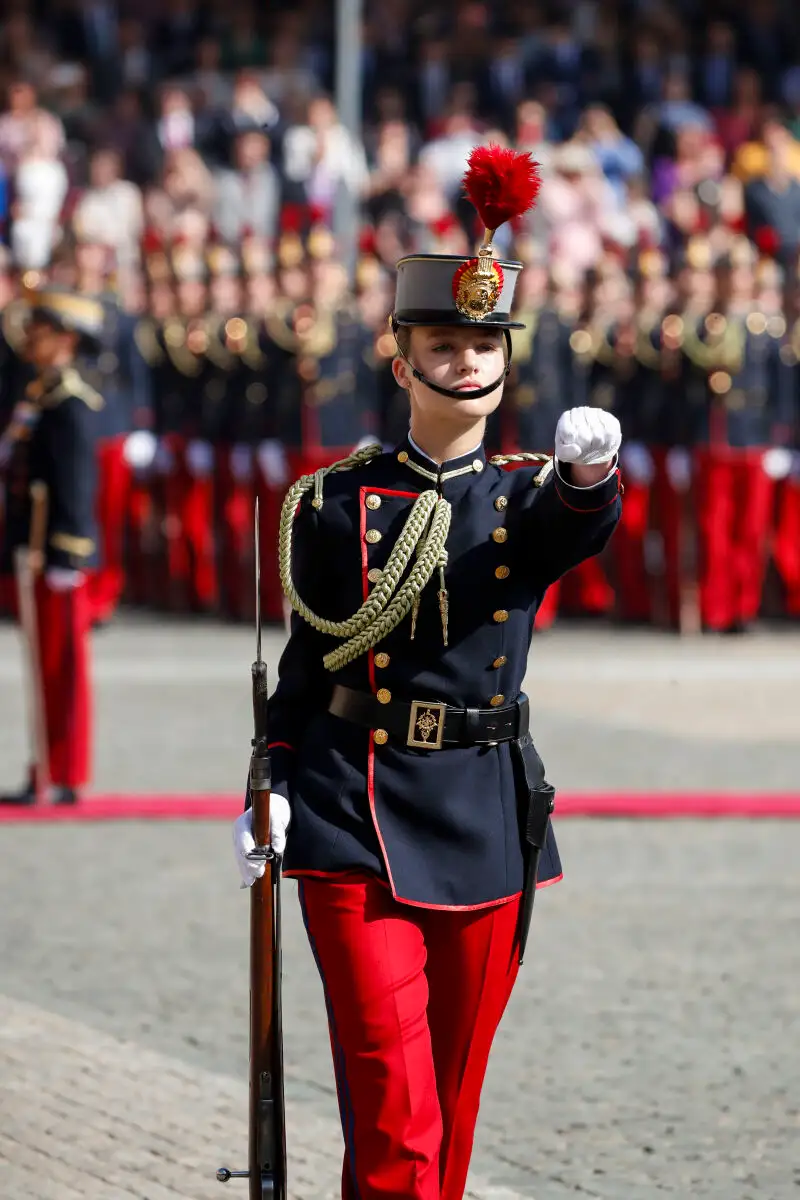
<point x="110" y="211"/>
<point x="576" y="204"/>
<point x="321" y="156"/>
<point x="187" y="187"/>
<point x="716" y="67"/>
<point x="247" y="108"/>
<point x="248" y="193"/>
<point x="175" y="126"/>
<point x="447" y="155"/>
<point x="241" y="45"/>
<point x="619" y="157"/>
<point x="26" y="126"/>
<point x="174" y="37"/>
<point x="752" y="159"/>
<point x="40" y="188"/>
<point x="772" y="202"/>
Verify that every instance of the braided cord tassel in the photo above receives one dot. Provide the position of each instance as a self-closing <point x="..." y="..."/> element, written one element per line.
<point x="401" y="605"/>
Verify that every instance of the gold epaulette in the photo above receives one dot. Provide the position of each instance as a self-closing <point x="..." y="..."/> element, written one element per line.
<point x="276" y="323"/>
<point x="147" y="343"/>
<point x="72" y="384"/>
<point x="13" y="323"/>
<point x="217" y="351"/>
<point x="185" y="361"/>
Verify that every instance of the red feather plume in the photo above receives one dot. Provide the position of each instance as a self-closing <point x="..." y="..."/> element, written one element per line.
<point x="501" y="183"/>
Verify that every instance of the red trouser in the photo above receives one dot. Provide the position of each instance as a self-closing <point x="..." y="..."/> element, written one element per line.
<point x="787" y="544"/>
<point x="628" y="547"/>
<point x="414" y="998"/>
<point x="114" y="487"/>
<point x="63" y="622"/>
<point x="734" y="511"/>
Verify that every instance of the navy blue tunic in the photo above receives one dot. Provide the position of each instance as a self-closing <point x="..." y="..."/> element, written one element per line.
<point x="441" y="827"/>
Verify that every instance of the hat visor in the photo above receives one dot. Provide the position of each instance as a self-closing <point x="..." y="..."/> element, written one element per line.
<point x="436" y="318"/>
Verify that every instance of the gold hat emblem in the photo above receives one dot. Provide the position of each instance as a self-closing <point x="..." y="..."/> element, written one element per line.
<point x="477" y="286"/>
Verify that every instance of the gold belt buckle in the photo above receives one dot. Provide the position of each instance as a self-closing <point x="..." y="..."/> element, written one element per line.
<point x="426" y="725"/>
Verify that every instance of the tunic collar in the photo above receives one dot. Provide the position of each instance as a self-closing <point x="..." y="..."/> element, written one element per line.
<point x="409" y="453"/>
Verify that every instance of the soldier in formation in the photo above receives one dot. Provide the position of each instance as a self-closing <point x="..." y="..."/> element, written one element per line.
<point x="49" y="455"/>
<point x="403" y="772"/>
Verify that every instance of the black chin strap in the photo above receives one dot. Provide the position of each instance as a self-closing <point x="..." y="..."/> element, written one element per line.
<point x="454" y="393"/>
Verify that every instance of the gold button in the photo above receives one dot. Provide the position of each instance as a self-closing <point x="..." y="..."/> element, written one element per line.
<point x="316" y="502"/>
<point x="477" y="465"/>
<point x="402" y="456"/>
<point x="381" y="660"/>
<point x="384" y="695"/>
<point x="373" y="502"/>
<point x="501" y="502"/>
<point x="500" y="616"/>
<point x="496" y="701"/>
<point x="500" y="534"/>
<point x="500" y="662"/>
<point x="380" y="737"/>
<point x="375" y="575"/>
<point x="502" y="572"/>
<point x="373" y="536"/>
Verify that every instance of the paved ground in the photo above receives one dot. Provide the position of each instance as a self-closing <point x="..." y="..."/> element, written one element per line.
<point x="635" y="711"/>
<point x="650" y="1048"/>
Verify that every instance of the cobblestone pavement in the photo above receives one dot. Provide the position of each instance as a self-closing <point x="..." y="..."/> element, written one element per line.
<point x="650" y="1047"/>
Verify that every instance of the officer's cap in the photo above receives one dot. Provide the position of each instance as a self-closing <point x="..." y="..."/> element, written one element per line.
<point x="448" y="289"/>
<point x="69" y="311"/>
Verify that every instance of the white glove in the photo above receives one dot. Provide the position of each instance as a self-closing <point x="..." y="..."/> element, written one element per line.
<point x="244" y="843"/>
<point x="63" y="579"/>
<point x="637" y="463"/>
<point x="139" y="449"/>
<point x="241" y="460"/>
<point x="200" y="459"/>
<point x="273" y="462"/>
<point x="587" y="435"/>
<point x="678" y="463"/>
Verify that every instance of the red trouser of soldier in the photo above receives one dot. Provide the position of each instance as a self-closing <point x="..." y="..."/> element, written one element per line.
<point x="235" y="498"/>
<point x="63" y="621"/>
<point x="414" y="998"/>
<point x="114" y="486"/>
<point x="734" y="510"/>
<point x="787" y="544"/>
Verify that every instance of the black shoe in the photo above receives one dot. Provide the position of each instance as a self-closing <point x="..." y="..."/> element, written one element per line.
<point x="65" y="795"/>
<point x="25" y="798"/>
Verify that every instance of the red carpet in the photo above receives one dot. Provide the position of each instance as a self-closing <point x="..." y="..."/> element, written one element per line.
<point x="622" y="805"/>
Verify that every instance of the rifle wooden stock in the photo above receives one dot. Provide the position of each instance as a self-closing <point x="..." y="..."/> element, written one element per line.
<point x="267" y="1136"/>
<point x="28" y="564"/>
<point x="266" y="1173"/>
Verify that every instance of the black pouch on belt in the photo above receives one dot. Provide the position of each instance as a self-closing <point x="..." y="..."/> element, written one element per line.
<point x="536" y="802"/>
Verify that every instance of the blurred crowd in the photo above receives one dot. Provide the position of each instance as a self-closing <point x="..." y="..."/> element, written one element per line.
<point x="186" y="161"/>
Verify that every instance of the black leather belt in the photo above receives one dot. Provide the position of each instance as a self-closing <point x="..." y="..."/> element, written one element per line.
<point x="430" y="725"/>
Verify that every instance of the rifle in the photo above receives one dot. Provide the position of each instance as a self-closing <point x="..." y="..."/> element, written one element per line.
<point x="267" y="1126"/>
<point x="28" y="563"/>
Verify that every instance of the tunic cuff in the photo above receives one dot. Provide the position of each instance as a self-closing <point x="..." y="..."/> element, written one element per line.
<point x="591" y="498"/>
